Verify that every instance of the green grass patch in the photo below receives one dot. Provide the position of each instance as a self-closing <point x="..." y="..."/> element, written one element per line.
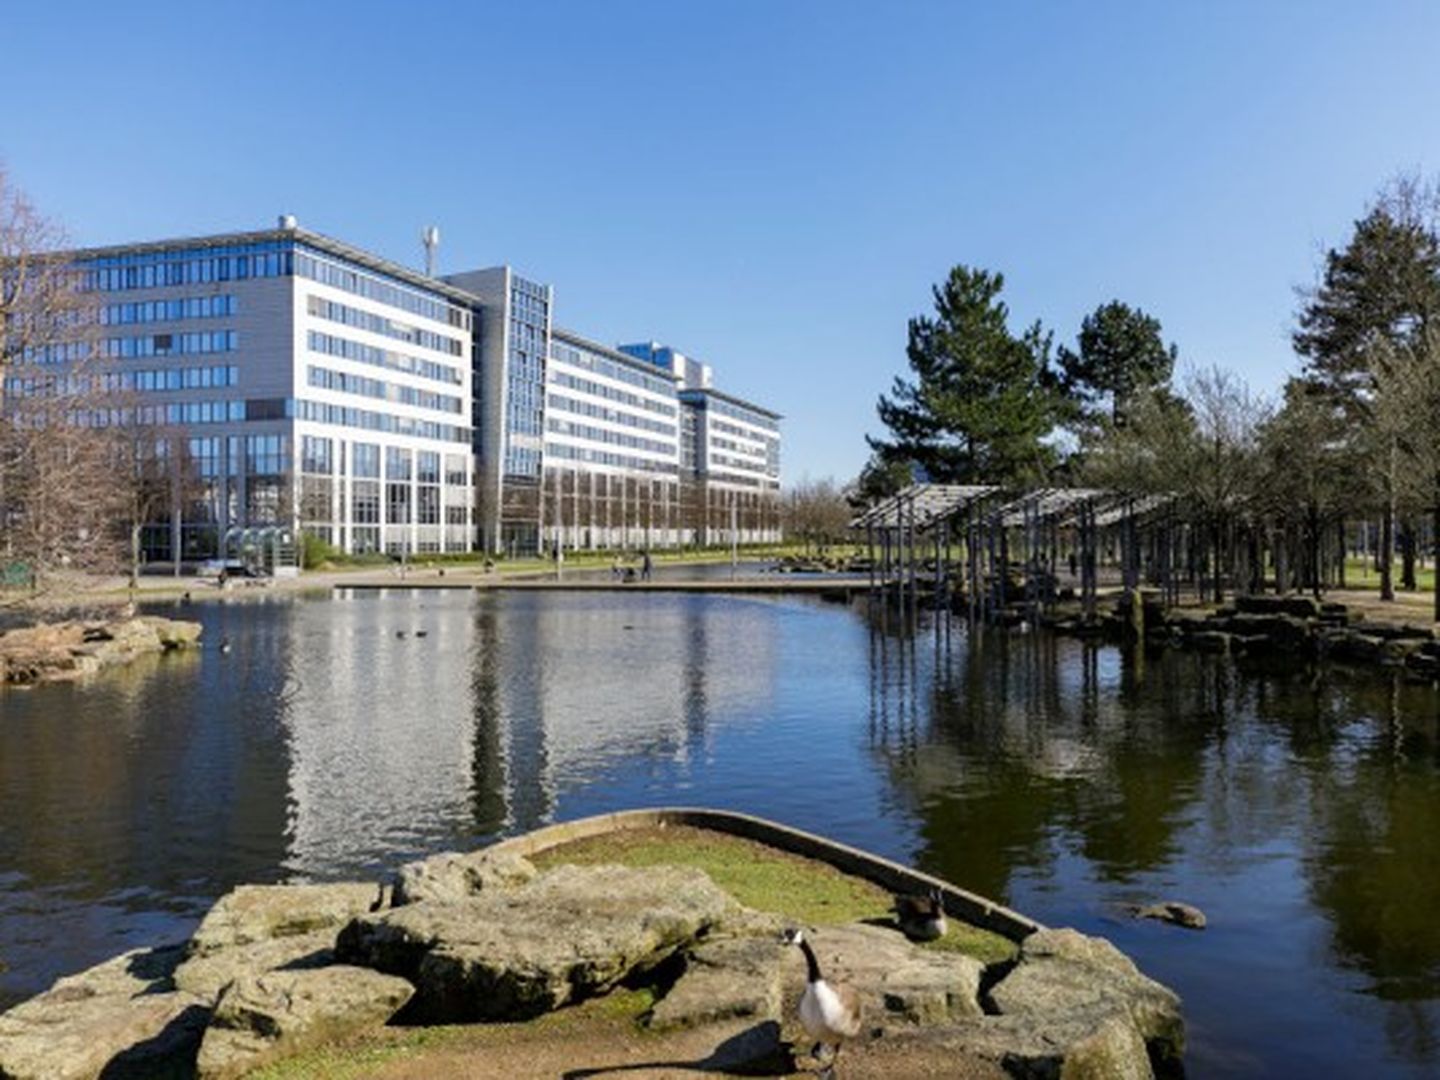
<point x="810" y="892"/>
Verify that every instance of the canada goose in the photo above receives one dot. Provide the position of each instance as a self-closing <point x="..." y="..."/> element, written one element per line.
<point x="830" y="1013"/>
<point x="399" y="633"/>
<point x="421" y="633"/>
<point x="921" y="918"/>
<point x="224" y="644"/>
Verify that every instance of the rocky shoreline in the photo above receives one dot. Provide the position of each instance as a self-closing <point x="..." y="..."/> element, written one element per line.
<point x="1287" y="626"/>
<point x="64" y="651"/>
<point x="275" y="970"/>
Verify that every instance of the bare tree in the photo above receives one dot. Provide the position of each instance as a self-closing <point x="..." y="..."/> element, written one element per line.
<point x="816" y="513"/>
<point x="1406" y="411"/>
<point x="58" y="490"/>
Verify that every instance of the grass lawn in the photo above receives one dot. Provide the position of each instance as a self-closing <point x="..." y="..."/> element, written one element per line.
<point x="810" y="892"/>
<point x="1362" y="572"/>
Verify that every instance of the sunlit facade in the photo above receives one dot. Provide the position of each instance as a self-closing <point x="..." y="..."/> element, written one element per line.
<point x="303" y="385"/>
<point x="297" y="383"/>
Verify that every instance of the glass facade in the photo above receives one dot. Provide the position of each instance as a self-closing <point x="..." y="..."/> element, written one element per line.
<point x="187" y="266"/>
<point x="529" y="343"/>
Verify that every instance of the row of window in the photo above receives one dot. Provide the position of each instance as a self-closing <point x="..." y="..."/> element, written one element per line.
<point x="732" y="429"/>
<point x="199" y="341"/>
<point x="386" y="358"/>
<point x="611" y="369"/>
<point x="326" y="379"/>
<point x="59" y="352"/>
<point x="316" y="267"/>
<point x="173" y="414"/>
<point x="739" y="448"/>
<point x="148" y="311"/>
<point x="521" y="461"/>
<point x="187" y="378"/>
<point x="334" y="311"/>
<point x="318" y="455"/>
<point x="161" y="269"/>
<point x="725" y="408"/>
<point x="610" y="393"/>
<point x="323" y="413"/>
<point x="602" y="412"/>
<point x="606" y="457"/>
<point x="726" y="461"/>
<point x="615" y="438"/>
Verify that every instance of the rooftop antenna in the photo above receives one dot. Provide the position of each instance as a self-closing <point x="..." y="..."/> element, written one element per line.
<point x="430" y="237"/>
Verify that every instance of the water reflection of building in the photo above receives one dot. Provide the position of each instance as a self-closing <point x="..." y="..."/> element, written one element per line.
<point x="379" y="728"/>
<point x="508" y="705"/>
<point x="603" y="686"/>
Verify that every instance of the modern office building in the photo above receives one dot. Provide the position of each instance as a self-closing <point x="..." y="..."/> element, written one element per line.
<point x="303" y="384"/>
<point x="307" y="385"/>
<point x="612" y="449"/>
<point x="730" y="458"/>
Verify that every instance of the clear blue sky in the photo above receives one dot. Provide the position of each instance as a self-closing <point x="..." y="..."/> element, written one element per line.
<point x="771" y="186"/>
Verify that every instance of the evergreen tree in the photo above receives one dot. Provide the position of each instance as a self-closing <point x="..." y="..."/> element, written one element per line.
<point x="1377" y="300"/>
<point x="1119" y="353"/>
<point x="1383" y="287"/>
<point x="879" y="479"/>
<point x="980" y="403"/>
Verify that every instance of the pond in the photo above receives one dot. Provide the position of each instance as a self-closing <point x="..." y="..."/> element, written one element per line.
<point x="1299" y="808"/>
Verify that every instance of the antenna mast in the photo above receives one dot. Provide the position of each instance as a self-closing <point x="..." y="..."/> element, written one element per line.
<point x="430" y="237"/>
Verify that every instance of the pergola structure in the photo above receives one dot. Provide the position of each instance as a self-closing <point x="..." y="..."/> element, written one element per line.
<point x="898" y="522"/>
<point x="1032" y="526"/>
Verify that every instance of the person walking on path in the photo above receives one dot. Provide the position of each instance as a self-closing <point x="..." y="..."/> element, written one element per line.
<point x="645" y="566"/>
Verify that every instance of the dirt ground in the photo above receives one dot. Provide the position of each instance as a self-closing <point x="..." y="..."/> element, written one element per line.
<point x="616" y="1048"/>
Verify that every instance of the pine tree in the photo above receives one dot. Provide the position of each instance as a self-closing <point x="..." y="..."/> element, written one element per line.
<point x="980" y="403"/>
<point x="1383" y="287"/>
<point x="1119" y="354"/>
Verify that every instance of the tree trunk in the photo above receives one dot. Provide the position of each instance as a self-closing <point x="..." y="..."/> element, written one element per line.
<point x="1385" y="553"/>
<point x="1407" y="555"/>
<point x="134" y="555"/>
<point x="1435" y="541"/>
<point x="1340" y="562"/>
<point x="1218" y="541"/>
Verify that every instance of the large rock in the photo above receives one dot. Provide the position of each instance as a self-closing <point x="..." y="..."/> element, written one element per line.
<point x="1286" y="633"/>
<point x="1301" y="607"/>
<point x="515" y="953"/>
<point x="725" y="980"/>
<point x="253" y="913"/>
<point x="1172" y="911"/>
<point x="1349" y="644"/>
<point x="206" y="974"/>
<point x="1063" y="973"/>
<point x="1050" y="1047"/>
<point x="258" y="928"/>
<point x="120" y="1019"/>
<point x="451" y="876"/>
<point x="899" y="983"/>
<point x="262" y="1018"/>
<point x="68" y="650"/>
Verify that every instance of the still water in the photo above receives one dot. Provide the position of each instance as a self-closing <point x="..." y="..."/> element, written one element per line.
<point x="1299" y="809"/>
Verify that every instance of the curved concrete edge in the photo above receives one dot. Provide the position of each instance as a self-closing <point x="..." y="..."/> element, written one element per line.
<point x="893" y="876"/>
